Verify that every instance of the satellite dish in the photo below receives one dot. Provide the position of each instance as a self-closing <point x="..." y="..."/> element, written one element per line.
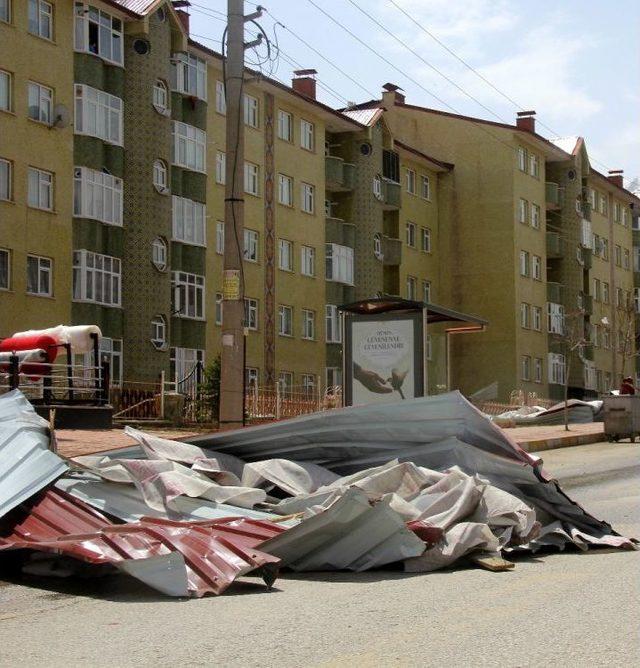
<point x="61" y="116"/>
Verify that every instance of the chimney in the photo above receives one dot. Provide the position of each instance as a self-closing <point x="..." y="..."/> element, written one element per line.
<point x="526" y="120"/>
<point x="616" y="176"/>
<point x="304" y="82"/>
<point x="391" y="96"/>
<point x="182" y="15"/>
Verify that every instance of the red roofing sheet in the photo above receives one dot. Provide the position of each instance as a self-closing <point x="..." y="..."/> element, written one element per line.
<point x="215" y="552"/>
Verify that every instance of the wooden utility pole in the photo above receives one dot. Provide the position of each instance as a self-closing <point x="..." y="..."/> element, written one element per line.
<point x="233" y="349"/>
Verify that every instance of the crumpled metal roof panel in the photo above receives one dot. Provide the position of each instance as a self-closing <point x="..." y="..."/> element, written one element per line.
<point x="26" y="463"/>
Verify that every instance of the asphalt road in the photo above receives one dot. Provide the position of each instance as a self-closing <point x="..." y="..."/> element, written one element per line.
<point x="569" y="609"/>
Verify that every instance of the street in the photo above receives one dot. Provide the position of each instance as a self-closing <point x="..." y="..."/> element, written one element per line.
<point x="568" y="609"/>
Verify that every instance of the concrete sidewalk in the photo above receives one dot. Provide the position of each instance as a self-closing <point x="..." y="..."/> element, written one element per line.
<point x="76" y="442"/>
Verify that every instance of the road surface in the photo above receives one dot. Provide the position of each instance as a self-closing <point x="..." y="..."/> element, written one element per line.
<point x="566" y="609"/>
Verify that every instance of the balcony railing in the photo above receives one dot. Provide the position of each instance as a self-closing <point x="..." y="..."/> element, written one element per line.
<point x="587" y="258"/>
<point x="554" y="195"/>
<point x="339" y="174"/>
<point x="392" y="251"/>
<point x="554" y="245"/>
<point x="554" y="292"/>
<point x="587" y="304"/>
<point x="390" y="195"/>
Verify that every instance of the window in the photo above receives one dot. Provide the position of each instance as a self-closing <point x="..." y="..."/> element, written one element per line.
<point x="189" y="221"/>
<point x="96" y="278"/>
<point x="606" y="338"/>
<point x="159" y="332"/>
<point x="250" y="245"/>
<point x="189" y="145"/>
<point x="526" y="367"/>
<point x="556" y="318"/>
<point x="579" y="205"/>
<point x="534" y="165"/>
<point x="377" y="187"/>
<point x="525" y="316"/>
<point x="251" y="377"/>
<point x="188" y="295"/>
<point x="98" y="114"/>
<point x="377" y="246"/>
<point x="339" y="264"/>
<point x="605" y="249"/>
<point x="285" y="381"/>
<point x="5" y="11"/>
<point x="390" y="165"/>
<point x="596" y="245"/>
<point x="308" y="324"/>
<point x="97" y="195"/>
<point x="618" y="256"/>
<point x="429" y="347"/>
<point x="616" y="212"/>
<point x="251" y="178"/>
<point x="595" y="329"/>
<point x="285" y="190"/>
<point x="425" y="239"/>
<point x="5" y="269"/>
<point x="524" y="263"/>
<point x="308" y="261"/>
<point x="593" y="198"/>
<point x="220" y="237"/>
<point x="411" y="181"/>
<point x="5" y="180"/>
<point x="590" y="377"/>
<point x="636" y="299"/>
<point x="537" y="370"/>
<point x="41" y="18"/>
<point x="160" y="175"/>
<point x="250" y="111"/>
<point x="522" y="159"/>
<point x="625" y="222"/>
<point x="426" y="291"/>
<point x="412" y="288"/>
<point x="40" y="102"/>
<point x="110" y="351"/>
<point x="626" y="258"/>
<point x="182" y="363"/>
<point x="221" y="167"/>
<point x="161" y="96"/>
<point x="604" y="205"/>
<point x="218" y="309"/>
<point x="425" y="187"/>
<point x="251" y="313"/>
<point x="308" y="385"/>
<point x="636" y="249"/>
<point x="39" y="281"/>
<point x="285" y="255"/>
<point x="307" y="135"/>
<point x="556" y="368"/>
<point x="411" y="234"/>
<point x="537" y="267"/>
<point x="333" y="377"/>
<point x="596" y="289"/>
<point x="605" y="292"/>
<point x="536" y="318"/>
<point x="98" y="33"/>
<point x="333" y="324"/>
<point x="523" y="211"/>
<point x="285" y="125"/>
<point x="308" y="197"/>
<point x="285" y="320"/>
<point x="159" y="253"/>
<point x="189" y="75"/>
<point x="221" y="100"/>
<point x="619" y="297"/>
<point x="5" y="90"/>
<point x="535" y="216"/>
<point x="40" y="189"/>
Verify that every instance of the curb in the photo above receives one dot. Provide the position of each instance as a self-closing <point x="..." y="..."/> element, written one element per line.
<point x="562" y="442"/>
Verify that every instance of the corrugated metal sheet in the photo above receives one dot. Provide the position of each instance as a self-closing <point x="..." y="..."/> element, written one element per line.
<point x="364" y="116"/>
<point x="177" y="558"/>
<point x="137" y="6"/>
<point x="26" y="463"/>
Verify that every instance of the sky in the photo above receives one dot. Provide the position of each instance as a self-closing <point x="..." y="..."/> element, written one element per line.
<point x="577" y="63"/>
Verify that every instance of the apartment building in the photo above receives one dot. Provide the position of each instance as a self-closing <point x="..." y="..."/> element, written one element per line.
<point x="516" y="246"/>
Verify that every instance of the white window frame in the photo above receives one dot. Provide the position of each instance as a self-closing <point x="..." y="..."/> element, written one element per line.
<point x="285" y="255"/>
<point x="92" y="273"/>
<point x="189" y="75"/>
<point x="525" y="270"/>
<point x="182" y="361"/>
<point x="307" y="198"/>
<point x="160" y="176"/>
<point x="555" y="321"/>
<point x="535" y="216"/>
<point x="159" y="332"/>
<point x="220" y="237"/>
<point x="412" y="288"/>
<point x="523" y="211"/>
<point x="308" y="324"/>
<point x="217" y="318"/>
<point x="161" y="97"/>
<point x="5" y="269"/>
<point x="536" y="267"/>
<point x="526" y="368"/>
<point x="251" y="313"/>
<point x="425" y="239"/>
<point x="6" y="90"/>
<point x="411" y="181"/>
<point x="285" y="382"/>
<point x="307" y="135"/>
<point x="98" y="114"/>
<point x="522" y="159"/>
<point x="426" y="292"/>
<point x="377" y="187"/>
<point x="556" y="368"/>
<point x="536" y="318"/>
<point x="159" y="254"/>
<point x="189" y="221"/>
<point x="40" y="189"/>
<point x="285" y="320"/>
<point x="6" y="174"/>
<point x="309" y="385"/>
<point x="537" y="370"/>
<point x="534" y="165"/>
<point x="333" y="377"/>
<point x="5" y="11"/>
<point x="221" y="100"/>
<point x="425" y="187"/>
<point x="97" y="196"/>
<point x="109" y="350"/>
<point x="221" y="167"/>
<point x="252" y="178"/>
<point x="251" y="247"/>
<point x="188" y="292"/>
<point x="333" y="324"/>
<point x="44" y="19"/>
<point x="251" y="111"/>
<point x="285" y="125"/>
<point x="525" y="315"/>
<point x="308" y="261"/>
<point x="44" y="276"/>
<point x="285" y="190"/>
<point x="411" y="229"/>
<point x="339" y="264"/>
<point x="189" y="147"/>
<point x="110" y="46"/>
<point x="39" y="102"/>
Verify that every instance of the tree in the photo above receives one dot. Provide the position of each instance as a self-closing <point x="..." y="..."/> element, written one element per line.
<point x="626" y="340"/>
<point x="210" y="386"/>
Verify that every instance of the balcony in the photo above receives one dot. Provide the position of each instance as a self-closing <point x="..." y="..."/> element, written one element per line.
<point x="587" y="304"/>
<point x="554" y="292"/>
<point x="339" y="175"/>
<point x="554" y="246"/>
<point x="587" y="258"/>
<point x="554" y="195"/>
<point x="390" y="195"/>
<point x="587" y="352"/>
<point x="391" y="251"/>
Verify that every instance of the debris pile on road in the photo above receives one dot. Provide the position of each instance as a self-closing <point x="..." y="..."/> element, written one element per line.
<point x="420" y="484"/>
<point x="578" y="412"/>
